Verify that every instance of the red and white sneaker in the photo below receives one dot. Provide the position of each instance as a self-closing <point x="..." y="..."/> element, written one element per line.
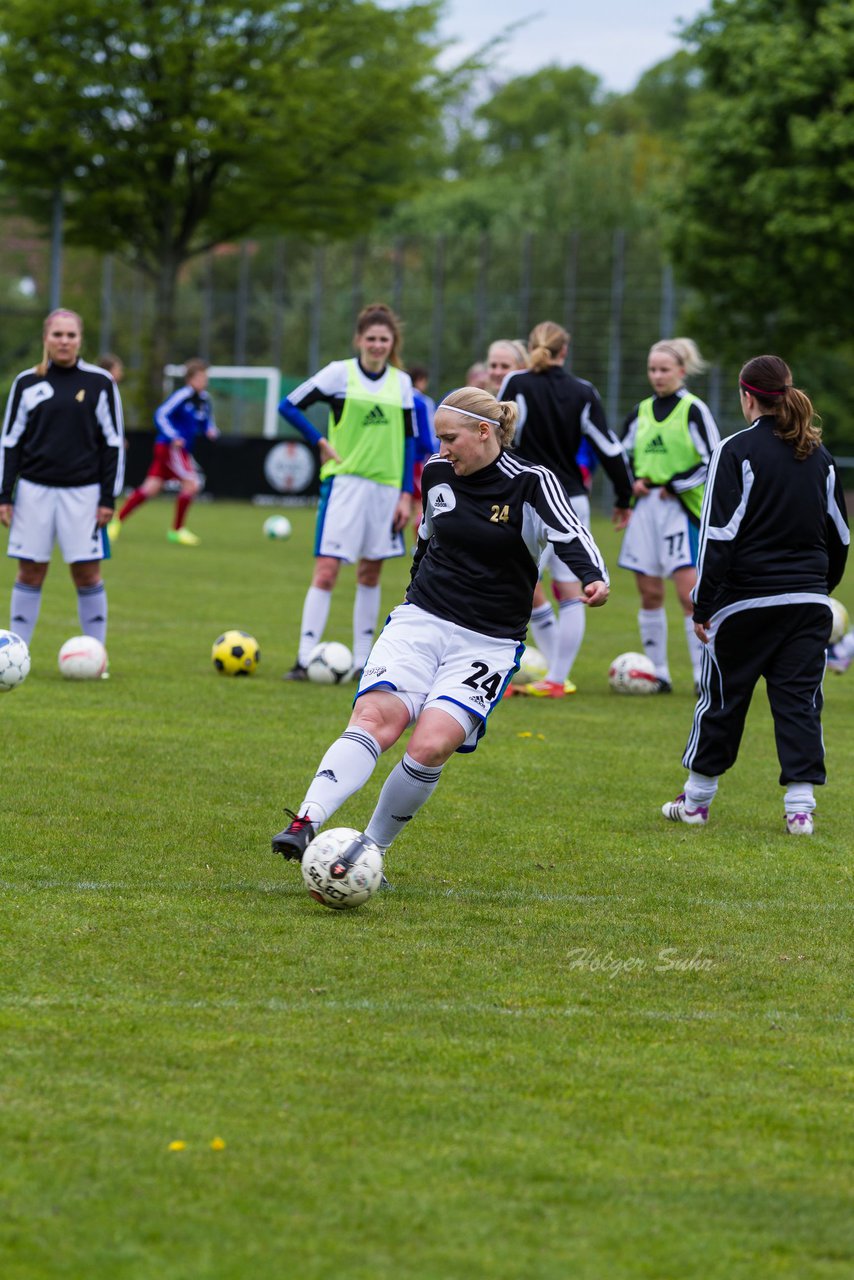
<point x="545" y="689"/>
<point x="799" y="824"/>
<point x="678" y="811"/>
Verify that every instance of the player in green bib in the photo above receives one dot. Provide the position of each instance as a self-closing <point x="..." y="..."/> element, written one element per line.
<point x="669" y="437"/>
<point x="366" y="476"/>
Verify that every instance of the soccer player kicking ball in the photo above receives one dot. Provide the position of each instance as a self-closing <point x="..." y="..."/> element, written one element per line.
<point x="179" y="420"/>
<point x="447" y="653"/>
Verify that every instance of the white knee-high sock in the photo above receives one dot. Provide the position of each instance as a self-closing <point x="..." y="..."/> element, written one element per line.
<point x="695" y="649"/>
<point x="653" y="632"/>
<point x="92" y="611"/>
<point x="543" y="629"/>
<point x="366" y="609"/>
<point x="571" y="622"/>
<point x="24" y="613"/>
<point x="406" y="789"/>
<point x="315" y="612"/>
<point x="346" y="767"/>
<point x="800" y="798"/>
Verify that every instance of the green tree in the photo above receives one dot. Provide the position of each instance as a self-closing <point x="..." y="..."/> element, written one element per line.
<point x="170" y="127"/>
<point x="760" y="208"/>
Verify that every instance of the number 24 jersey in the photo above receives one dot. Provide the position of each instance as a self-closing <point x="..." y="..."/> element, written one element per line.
<point x="480" y="541"/>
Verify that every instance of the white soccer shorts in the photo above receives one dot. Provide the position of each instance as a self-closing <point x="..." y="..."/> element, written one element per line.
<point x="430" y="662"/>
<point x="550" y="561"/>
<point x="354" y="520"/>
<point x="660" y="538"/>
<point x="43" y="515"/>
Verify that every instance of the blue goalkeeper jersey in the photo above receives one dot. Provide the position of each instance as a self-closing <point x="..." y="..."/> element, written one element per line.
<point x="180" y="418"/>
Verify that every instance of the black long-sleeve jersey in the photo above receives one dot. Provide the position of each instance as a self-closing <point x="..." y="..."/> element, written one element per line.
<point x="63" y="428"/>
<point x="481" y="538"/>
<point x="770" y="525"/>
<point x="555" y="410"/>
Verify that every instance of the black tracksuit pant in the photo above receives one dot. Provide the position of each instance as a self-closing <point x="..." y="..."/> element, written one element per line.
<point x="786" y="645"/>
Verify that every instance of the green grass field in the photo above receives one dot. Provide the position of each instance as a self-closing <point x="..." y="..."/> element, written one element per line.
<point x="577" y="1043"/>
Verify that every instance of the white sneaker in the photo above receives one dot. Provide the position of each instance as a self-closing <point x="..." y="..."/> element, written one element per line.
<point x="799" y="824"/>
<point x="677" y="811"/>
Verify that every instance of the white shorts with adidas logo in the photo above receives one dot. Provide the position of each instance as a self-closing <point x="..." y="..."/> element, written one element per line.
<point x="44" y="514"/>
<point x="660" y="538"/>
<point x="354" y="520"/>
<point x="431" y="662"/>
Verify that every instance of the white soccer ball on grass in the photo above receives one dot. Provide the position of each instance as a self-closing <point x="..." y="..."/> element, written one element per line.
<point x="14" y="661"/>
<point x="82" y="658"/>
<point x="278" y="527"/>
<point x="633" y="673"/>
<point x="338" y="875"/>
<point x="329" y="663"/>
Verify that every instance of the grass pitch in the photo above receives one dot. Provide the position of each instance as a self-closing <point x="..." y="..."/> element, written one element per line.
<point x="575" y="1042"/>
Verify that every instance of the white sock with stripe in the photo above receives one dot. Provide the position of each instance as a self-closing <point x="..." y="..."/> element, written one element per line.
<point x="24" y="613"/>
<point x="315" y="613"/>
<point x="544" y="629"/>
<point x="366" y="610"/>
<point x="92" y="611"/>
<point x="695" y="649"/>
<point x="571" y="622"/>
<point x="346" y="767"/>
<point x="406" y="789"/>
<point x="653" y="633"/>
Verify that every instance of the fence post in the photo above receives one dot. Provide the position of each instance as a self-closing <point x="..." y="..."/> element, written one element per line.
<point x="397" y="276"/>
<point x="615" y="347"/>
<point x="356" y="288"/>
<point x="316" y="312"/>
<point x="570" y="287"/>
<point x="206" y="318"/>
<point x="481" y="301"/>
<point x="56" y="249"/>
<point x="525" y="282"/>
<point x="438" y="312"/>
<point x="105" y="338"/>
<point x="277" y="327"/>
<point x="667" y="321"/>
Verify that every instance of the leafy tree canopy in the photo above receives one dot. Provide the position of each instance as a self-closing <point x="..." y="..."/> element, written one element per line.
<point x="761" y="208"/>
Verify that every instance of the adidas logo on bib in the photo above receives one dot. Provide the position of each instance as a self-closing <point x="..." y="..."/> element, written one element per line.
<point x="376" y="418"/>
<point x="656" y="445"/>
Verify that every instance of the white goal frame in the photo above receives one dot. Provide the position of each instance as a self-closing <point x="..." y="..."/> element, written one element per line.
<point x="267" y="372"/>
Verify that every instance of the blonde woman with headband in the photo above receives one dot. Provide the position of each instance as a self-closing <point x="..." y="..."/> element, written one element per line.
<point x="62" y="463"/>
<point x="559" y="412"/>
<point x="773" y="542"/>
<point x="447" y="653"/>
<point x="669" y="437"/>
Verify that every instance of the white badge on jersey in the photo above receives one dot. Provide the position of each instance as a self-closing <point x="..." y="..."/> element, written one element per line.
<point x="442" y="500"/>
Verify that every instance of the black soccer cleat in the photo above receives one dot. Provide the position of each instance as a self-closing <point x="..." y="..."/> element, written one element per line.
<point x="296" y="672"/>
<point x="664" y="686"/>
<point x="295" y="839"/>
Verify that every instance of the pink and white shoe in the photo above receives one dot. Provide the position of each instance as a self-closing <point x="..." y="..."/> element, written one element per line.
<point x="799" y="824"/>
<point x="678" y="811"/>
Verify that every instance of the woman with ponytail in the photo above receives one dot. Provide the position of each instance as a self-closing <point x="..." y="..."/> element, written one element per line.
<point x="558" y="413"/>
<point x="773" y="544"/>
<point x="446" y="655"/>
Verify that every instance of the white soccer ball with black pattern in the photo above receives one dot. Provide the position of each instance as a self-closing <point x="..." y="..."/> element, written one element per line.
<point x="14" y="661"/>
<point x="329" y="663"/>
<point x="339" y="879"/>
<point x="633" y="673"/>
<point x="82" y="658"/>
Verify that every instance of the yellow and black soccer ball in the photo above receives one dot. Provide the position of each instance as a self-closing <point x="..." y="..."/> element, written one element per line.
<point x="235" y="653"/>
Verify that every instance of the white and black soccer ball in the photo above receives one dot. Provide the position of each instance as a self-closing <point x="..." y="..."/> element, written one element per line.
<point x="532" y="666"/>
<point x="841" y="621"/>
<point x="633" y="673"/>
<point x="278" y="527"/>
<point x="82" y="658"/>
<point x="338" y="875"/>
<point x="329" y="663"/>
<point x="14" y="661"/>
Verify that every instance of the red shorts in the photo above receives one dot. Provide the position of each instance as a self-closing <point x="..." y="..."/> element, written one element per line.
<point x="417" y="471"/>
<point x="172" y="462"/>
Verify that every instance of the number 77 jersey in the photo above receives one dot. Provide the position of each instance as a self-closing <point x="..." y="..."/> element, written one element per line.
<point x="481" y="538"/>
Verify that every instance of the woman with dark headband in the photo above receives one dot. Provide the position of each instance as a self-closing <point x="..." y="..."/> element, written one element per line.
<point x="773" y="543"/>
<point x="669" y="438"/>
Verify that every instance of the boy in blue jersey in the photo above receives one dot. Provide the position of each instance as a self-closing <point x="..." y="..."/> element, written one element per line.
<point x="179" y="420"/>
